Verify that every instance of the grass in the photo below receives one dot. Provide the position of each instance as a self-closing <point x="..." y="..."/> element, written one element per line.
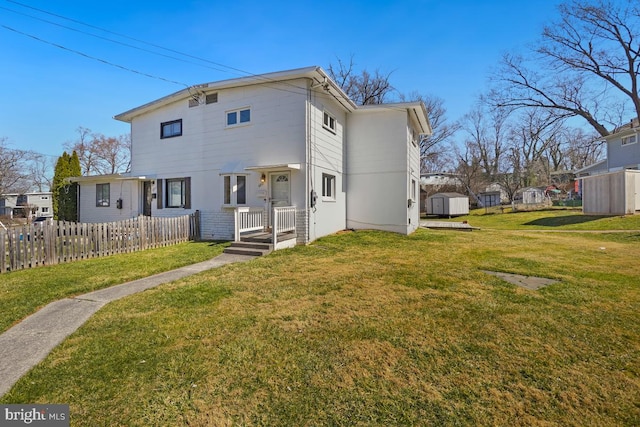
<point x="548" y="219"/>
<point x="368" y="328"/>
<point x="25" y="291"/>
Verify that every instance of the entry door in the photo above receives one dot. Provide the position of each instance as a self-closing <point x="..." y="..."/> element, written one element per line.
<point x="146" y="196"/>
<point x="280" y="191"/>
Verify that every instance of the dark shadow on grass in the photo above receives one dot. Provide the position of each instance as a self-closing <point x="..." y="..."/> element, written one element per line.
<point x="559" y="221"/>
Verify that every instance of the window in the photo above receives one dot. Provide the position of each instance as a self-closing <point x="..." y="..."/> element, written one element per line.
<point x="629" y="140"/>
<point x="103" y="199"/>
<point x="414" y="194"/>
<point x="176" y="192"/>
<point x="171" y="129"/>
<point x="45" y="210"/>
<point x="328" y="186"/>
<point x="211" y="98"/>
<point x="235" y="190"/>
<point x="329" y="122"/>
<point x="238" y="117"/>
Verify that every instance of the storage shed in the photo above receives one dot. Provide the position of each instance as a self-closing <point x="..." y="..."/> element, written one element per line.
<point x="448" y="204"/>
<point x="615" y="193"/>
<point x="489" y="198"/>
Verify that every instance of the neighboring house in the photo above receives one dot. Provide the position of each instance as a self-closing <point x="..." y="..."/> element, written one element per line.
<point x="448" y="204"/>
<point x="290" y="138"/>
<point x="612" y="186"/>
<point x="27" y="205"/>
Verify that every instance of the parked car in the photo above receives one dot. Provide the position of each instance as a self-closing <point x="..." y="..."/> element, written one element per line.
<point x="43" y="220"/>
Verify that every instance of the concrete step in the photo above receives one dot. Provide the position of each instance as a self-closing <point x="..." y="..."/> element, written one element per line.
<point x="251" y="249"/>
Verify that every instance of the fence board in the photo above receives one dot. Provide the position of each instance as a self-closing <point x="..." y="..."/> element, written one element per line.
<point x="32" y="245"/>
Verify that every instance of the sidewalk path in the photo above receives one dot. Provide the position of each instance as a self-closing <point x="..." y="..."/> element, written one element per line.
<point x="30" y="341"/>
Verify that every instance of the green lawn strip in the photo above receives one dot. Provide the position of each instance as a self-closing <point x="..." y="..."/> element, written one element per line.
<point x="25" y="291"/>
<point x="368" y="328"/>
<point x="549" y="219"/>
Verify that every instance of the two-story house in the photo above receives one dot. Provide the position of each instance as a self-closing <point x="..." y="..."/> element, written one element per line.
<point x="612" y="185"/>
<point x="285" y="139"/>
<point x="26" y="205"/>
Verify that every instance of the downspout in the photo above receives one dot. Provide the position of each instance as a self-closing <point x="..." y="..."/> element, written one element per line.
<point x="308" y="182"/>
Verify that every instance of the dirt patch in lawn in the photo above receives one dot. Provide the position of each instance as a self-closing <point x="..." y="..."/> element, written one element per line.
<point x="532" y="283"/>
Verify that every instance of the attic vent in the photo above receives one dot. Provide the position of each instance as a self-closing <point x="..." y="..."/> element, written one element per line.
<point x="193" y="103"/>
<point x="212" y="98"/>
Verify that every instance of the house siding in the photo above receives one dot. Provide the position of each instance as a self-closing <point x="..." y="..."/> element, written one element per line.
<point x="126" y="190"/>
<point x="623" y="156"/>
<point x="380" y="169"/>
<point x="326" y="157"/>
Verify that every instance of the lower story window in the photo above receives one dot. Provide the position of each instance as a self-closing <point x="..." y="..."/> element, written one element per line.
<point x="102" y="195"/>
<point x="235" y="190"/>
<point x="175" y="193"/>
<point x="178" y="193"/>
<point x="328" y="186"/>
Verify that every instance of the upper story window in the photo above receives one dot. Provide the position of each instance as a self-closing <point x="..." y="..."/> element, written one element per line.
<point x="211" y="98"/>
<point x="235" y="190"/>
<point x="103" y="199"/>
<point x="328" y="186"/>
<point x="171" y="129"/>
<point x="238" y="117"/>
<point x="632" y="139"/>
<point x="329" y="122"/>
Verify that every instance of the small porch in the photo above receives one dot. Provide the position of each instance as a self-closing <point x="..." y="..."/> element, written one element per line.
<point x="253" y="235"/>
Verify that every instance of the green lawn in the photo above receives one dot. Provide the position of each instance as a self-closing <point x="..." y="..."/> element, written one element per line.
<point x="551" y="219"/>
<point x="369" y="328"/>
<point x="23" y="292"/>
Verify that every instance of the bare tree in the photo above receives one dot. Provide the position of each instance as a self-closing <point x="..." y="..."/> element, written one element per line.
<point x="363" y="88"/>
<point x="14" y="177"/>
<point x="485" y="129"/>
<point x="432" y="147"/>
<point x="587" y="65"/>
<point x="40" y="167"/>
<point x="100" y="154"/>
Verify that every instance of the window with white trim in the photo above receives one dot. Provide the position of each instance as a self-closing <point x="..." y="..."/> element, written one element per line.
<point x="103" y="199"/>
<point x="235" y="190"/>
<point x="328" y="186"/>
<point x="171" y="129"/>
<point x="329" y="122"/>
<point x="238" y="117"/>
<point x="631" y="139"/>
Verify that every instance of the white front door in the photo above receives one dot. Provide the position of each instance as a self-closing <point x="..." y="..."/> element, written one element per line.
<point x="280" y="191"/>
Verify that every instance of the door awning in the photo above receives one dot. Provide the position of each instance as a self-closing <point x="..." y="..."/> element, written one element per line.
<point x="287" y="166"/>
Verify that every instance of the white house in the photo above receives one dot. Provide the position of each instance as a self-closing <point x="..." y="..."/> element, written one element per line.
<point x="612" y="186"/>
<point x="252" y="144"/>
<point x="27" y="204"/>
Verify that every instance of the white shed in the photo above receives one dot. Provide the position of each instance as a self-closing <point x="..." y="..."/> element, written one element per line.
<point x="448" y="204"/>
<point x="614" y="193"/>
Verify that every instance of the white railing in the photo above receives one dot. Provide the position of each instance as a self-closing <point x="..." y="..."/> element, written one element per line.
<point x="284" y="219"/>
<point x="247" y="219"/>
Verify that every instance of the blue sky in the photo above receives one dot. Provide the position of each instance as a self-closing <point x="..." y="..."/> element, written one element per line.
<point x="444" y="48"/>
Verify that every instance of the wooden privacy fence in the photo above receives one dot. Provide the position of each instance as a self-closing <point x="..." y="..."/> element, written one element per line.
<point x="39" y="244"/>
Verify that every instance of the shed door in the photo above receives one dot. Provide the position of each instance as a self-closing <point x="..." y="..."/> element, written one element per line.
<point x="437" y="205"/>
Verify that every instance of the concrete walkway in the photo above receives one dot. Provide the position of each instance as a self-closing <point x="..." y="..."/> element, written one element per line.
<point x="30" y="341"/>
